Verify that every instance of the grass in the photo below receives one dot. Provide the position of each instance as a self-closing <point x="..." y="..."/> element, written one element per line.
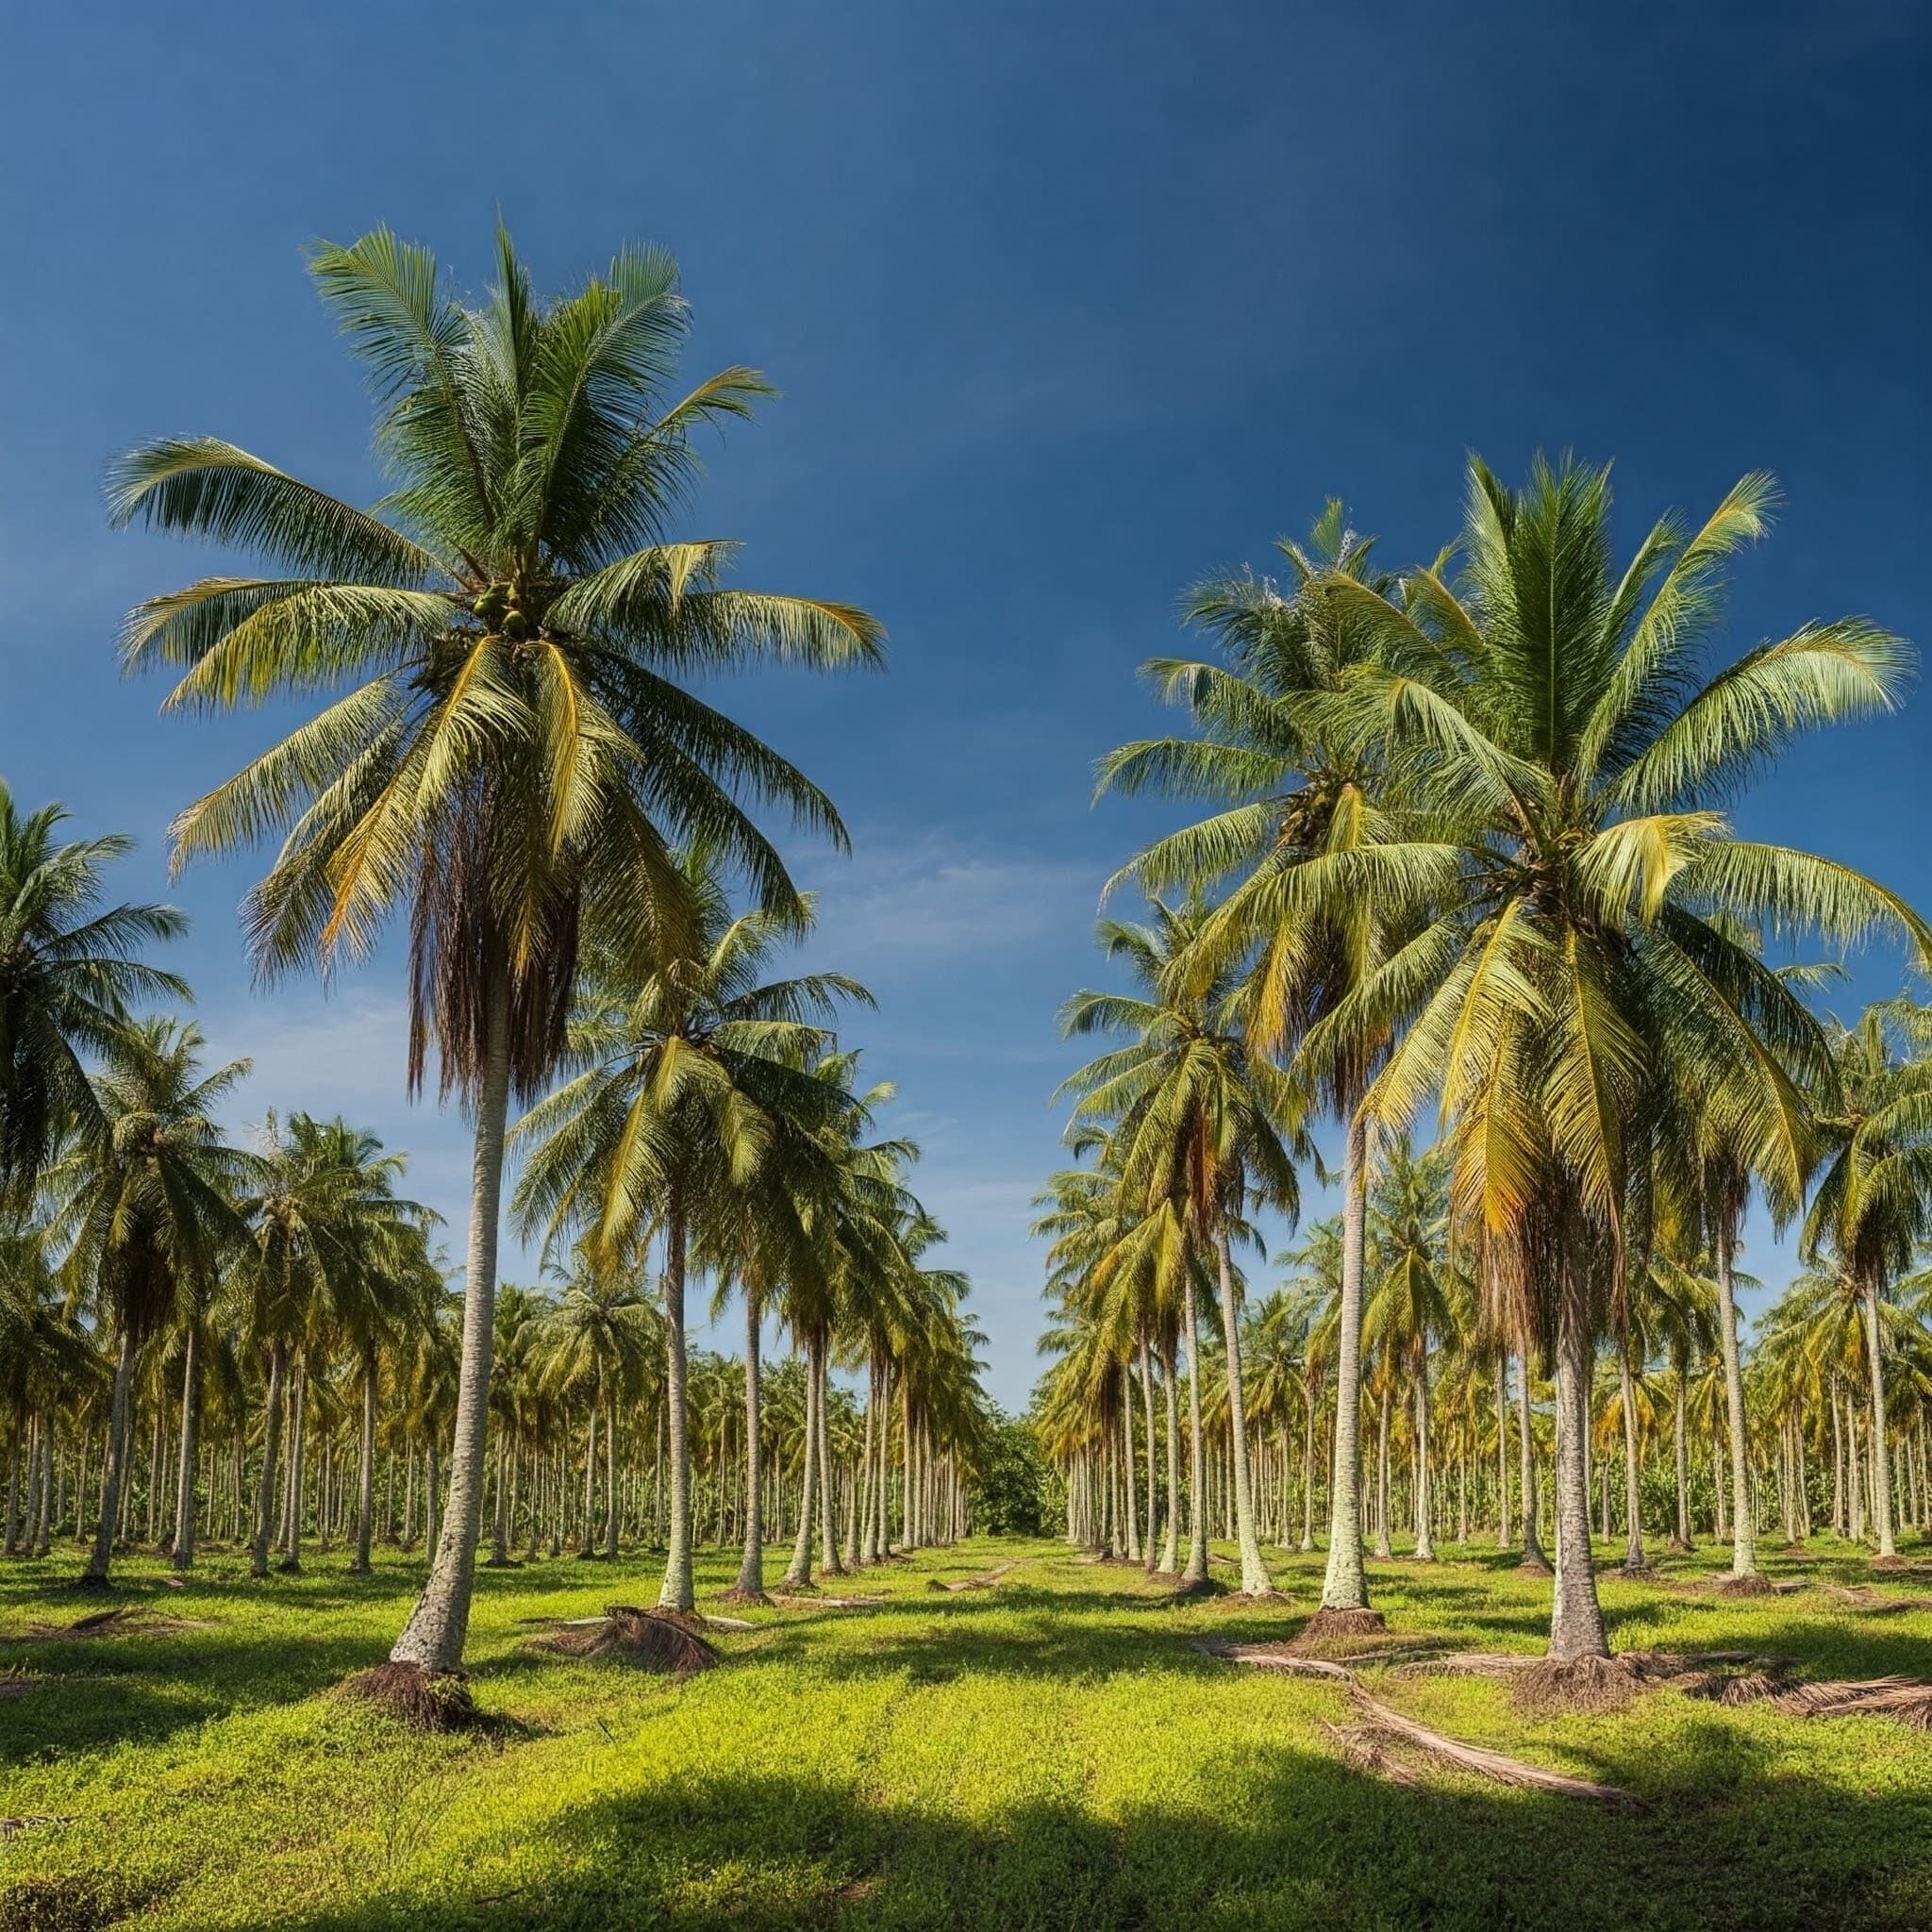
<point x="1050" y="1753"/>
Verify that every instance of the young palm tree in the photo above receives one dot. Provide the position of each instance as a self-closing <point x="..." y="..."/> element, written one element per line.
<point x="69" y="971"/>
<point x="685" y="1071"/>
<point x="513" y="748"/>
<point x="151" y="1208"/>
<point x="1202" y="1124"/>
<point x="1581" y="980"/>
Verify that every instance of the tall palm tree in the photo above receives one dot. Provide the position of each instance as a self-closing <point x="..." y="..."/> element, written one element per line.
<point x="513" y="748"/>
<point x="1203" y="1124"/>
<point x="69" y="971"/>
<point x="685" y="1068"/>
<point x="1580" y="981"/>
<point x="1293" y="792"/>
<point x="152" y="1208"/>
<point x="1873" y="1205"/>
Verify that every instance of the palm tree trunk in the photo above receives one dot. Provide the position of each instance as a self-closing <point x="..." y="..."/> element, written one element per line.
<point x="798" y="1577"/>
<point x="1633" y="1518"/>
<point x="433" y="1637"/>
<point x="1307" y="1542"/>
<point x="1130" y="1526"/>
<point x="1425" y="1496"/>
<point x="1743" y="1512"/>
<point x="1533" y="1555"/>
<point x="829" y="1538"/>
<point x="1345" y="1587"/>
<point x="610" y="1496"/>
<point x="1881" y="1449"/>
<point x="1255" y="1581"/>
<point x="365" y="1465"/>
<point x="751" y="1570"/>
<point x="1196" y="1571"/>
<point x="1171" y="1541"/>
<point x="113" y="1472"/>
<point x="1503" y="1451"/>
<point x="1384" y="1548"/>
<point x="677" y="1594"/>
<point x="1153" y="1474"/>
<point x="191" y="1422"/>
<point x="1681" y="1430"/>
<point x="1576" y="1623"/>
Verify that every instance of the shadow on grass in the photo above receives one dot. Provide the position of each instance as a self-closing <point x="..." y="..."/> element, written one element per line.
<point x="1300" y="1841"/>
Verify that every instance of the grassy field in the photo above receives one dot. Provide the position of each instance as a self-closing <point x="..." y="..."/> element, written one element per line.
<point x="1048" y="1753"/>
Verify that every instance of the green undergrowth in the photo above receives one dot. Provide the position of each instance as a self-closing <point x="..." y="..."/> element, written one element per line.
<point x="1052" y="1752"/>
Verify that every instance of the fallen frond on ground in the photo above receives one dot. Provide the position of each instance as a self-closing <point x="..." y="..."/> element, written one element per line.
<point x="128" y="1620"/>
<point x="984" y="1581"/>
<point x="821" y="1602"/>
<point x="1861" y="1596"/>
<point x="1378" y="1718"/>
<point x="658" y="1640"/>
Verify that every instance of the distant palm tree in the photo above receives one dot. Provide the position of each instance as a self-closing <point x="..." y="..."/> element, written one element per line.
<point x="69" y="972"/>
<point x="152" y="1205"/>
<point x="512" y="749"/>
<point x="688" y="1067"/>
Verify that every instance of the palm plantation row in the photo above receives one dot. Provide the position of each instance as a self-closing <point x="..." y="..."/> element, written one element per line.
<point x="1470" y="855"/>
<point x="509" y="761"/>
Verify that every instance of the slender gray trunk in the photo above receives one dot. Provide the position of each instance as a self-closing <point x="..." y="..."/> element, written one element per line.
<point x="1308" y="1470"/>
<point x="1576" y="1623"/>
<point x="114" y="1474"/>
<point x="1633" y="1501"/>
<point x="1345" y="1587"/>
<point x="1171" y="1543"/>
<point x="433" y="1637"/>
<point x="271" y="1454"/>
<point x="798" y="1577"/>
<point x="1255" y="1580"/>
<point x="1425" y="1474"/>
<point x="1744" y="1510"/>
<point x="751" y="1572"/>
<point x="1881" y="1449"/>
<point x="365" y="1468"/>
<point x="191" y="1424"/>
<point x="610" y="1496"/>
<point x="1680" y="1429"/>
<point x="1503" y="1452"/>
<point x="828" y="1541"/>
<point x="1196" y="1571"/>
<point x="1153" y="1474"/>
<point x="677" y="1594"/>
<point x="1532" y="1509"/>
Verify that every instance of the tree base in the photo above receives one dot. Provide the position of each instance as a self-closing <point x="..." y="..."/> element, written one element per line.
<point x="668" y="1641"/>
<point x="422" y="1699"/>
<point x="1752" y="1585"/>
<point x="91" y="1584"/>
<point x="289" y="1566"/>
<point x="743" y="1594"/>
<point x="1642" y="1571"/>
<point x="1330" y="1626"/>
<point x="1535" y="1566"/>
<point x="1576" y="1684"/>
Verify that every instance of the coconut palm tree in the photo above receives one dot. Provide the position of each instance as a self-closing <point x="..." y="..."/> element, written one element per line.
<point x="1580" y="979"/>
<point x="1874" y="1204"/>
<point x="1290" y="791"/>
<point x="1202" y="1124"/>
<point x="70" y="970"/>
<point x="152" y="1206"/>
<point x="513" y="748"/>
<point x="686" y="1069"/>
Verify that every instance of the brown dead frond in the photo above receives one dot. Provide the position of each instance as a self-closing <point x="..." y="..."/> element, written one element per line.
<point x="1861" y="1596"/>
<point x="1365" y="1749"/>
<point x="126" y="1621"/>
<point x="984" y="1581"/>
<point x="657" y="1640"/>
<point x="1904" y="1700"/>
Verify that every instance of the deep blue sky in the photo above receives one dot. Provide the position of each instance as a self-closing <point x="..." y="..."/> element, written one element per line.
<point x="1070" y="305"/>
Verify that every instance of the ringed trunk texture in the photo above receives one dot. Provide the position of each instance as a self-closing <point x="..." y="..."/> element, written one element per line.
<point x="1744" y="1513"/>
<point x="751" y="1570"/>
<point x="1196" y="1571"/>
<point x="1345" y="1587"/>
<point x="190" y="1425"/>
<point x="1576" y="1623"/>
<point x="114" y="1468"/>
<point x="433" y="1637"/>
<point x="676" y="1593"/>
<point x="1881" y="1452"/>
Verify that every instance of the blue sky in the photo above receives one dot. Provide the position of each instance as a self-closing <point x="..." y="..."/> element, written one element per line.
<point x="1070" y="304"/>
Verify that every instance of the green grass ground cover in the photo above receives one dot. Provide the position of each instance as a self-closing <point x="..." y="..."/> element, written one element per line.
<point x="1050" y="1753"/>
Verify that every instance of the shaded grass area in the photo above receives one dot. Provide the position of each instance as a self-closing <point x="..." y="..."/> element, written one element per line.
<point x="1049" y="1753"/>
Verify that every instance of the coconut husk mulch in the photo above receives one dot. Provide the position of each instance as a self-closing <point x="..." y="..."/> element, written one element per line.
<point x="422" y="1699"/>
<point x="662" y="1640"/>
<point x="1367" y="1743"/>
<point x="1328" y="1628"/>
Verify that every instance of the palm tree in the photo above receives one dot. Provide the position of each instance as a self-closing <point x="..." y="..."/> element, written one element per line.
<point x="1580" y="980"/>
<point x="686" y="1069"/>
<point x="152" y="1205"/>
<point x="512" y="749"/>
<point x="1293" y="792"/>
<point x="69" y="971"/>
<point x="1874" y="1204"/>
<point x="1201" y="1123"/>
